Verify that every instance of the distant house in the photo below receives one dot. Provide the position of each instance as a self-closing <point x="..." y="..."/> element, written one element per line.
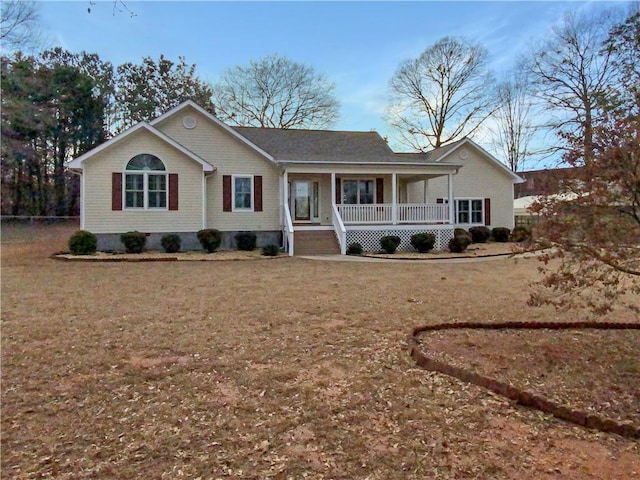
<point x="542" y="182"/>
<point x="536" y="184"/>
<point x="310" y="191"/>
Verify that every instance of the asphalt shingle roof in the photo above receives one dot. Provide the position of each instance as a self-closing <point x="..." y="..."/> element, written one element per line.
<point x="326" y="146"/>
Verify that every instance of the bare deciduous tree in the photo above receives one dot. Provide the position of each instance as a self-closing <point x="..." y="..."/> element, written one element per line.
<point x="275" y="92"/>
<point x="570" y="73"/>
<point x="513" y="129"/>
<point x="595" y="229"/>
<point x="443" y="95"/>
<point x="19" y="24"/>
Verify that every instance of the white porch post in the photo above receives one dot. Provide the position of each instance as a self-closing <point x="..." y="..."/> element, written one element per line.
<point x="452" y="205"/>
<point x="285" y="188"/>
<point x="424" y="190"/>
<point x="333" y="189"/>
<point x="394" y="199"/>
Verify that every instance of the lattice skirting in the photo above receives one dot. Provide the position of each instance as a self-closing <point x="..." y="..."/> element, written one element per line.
<point x="370" y="239"/>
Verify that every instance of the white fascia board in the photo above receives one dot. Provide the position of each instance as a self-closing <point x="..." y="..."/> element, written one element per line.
<point x="218" y="122"/>
<point x="372" y="169"/>
<point x="372" y="164"/>
<point x="501" y="166"/>
<point x="77" y="162"/>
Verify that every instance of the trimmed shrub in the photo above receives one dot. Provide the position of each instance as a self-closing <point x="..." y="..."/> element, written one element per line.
<point x="390" y="243"/>
<point x="133" y="242"/>
<point x="520" y="234"/>
<point x="246" y="241"/>
<point x="480" y="234"/>
<point x="461" y="232"/>
<point x="171" y="243"/>
<point x="83" y="243"/>
<point x="210" y="239"/>
<point x="459" y="243"/>
<point x="423" y="242"/>
<point x="270" y="250"/>
<point x="500" y="234"/>
<point x="355" y="249"/>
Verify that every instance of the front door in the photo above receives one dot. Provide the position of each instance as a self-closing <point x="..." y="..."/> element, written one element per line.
<point x="305" y="200"/>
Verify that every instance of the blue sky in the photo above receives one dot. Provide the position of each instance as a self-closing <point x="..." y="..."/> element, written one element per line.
<point x="357" y="45"/>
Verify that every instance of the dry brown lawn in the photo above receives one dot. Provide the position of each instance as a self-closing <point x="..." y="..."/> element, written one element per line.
<point x="289" y="369"/>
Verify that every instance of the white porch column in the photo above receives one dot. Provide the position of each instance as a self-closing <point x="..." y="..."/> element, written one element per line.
<point x="424" y="190"/>
<point x="452" y="204"/>
<point x="333" y="189"/>
<point x="394" y="199"/>
<point x="285" y="189"/>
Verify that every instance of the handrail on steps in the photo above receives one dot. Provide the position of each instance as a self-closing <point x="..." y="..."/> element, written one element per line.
<point x="289" y="230"/>
<point x="338" y="226"/>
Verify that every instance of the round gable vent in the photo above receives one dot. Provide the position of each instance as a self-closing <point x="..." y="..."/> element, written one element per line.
<point x="189" y="122"/>
<point x="463" y="154"/>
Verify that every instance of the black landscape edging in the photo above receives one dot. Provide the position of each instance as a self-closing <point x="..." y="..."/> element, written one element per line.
<point x="450" y="257"/>
<point x="522" y="397"/>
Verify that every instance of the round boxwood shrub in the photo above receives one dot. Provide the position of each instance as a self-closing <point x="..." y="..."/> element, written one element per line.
<point x="171" y="243"/>
<point x="480" y="234"/>
<point x="461" y="232"/>
<point x="354" y="249"/>
<point x="210" y="239"/>
<point x="271" y="250"/>
<point x="246" y="241"/>
<point x="500" y="234"/>
<point x="423" y="242"/>
<point x="83" y="243"/>
<point x="133" y="242"/>
<point x="520" y="234"/>
<point x="459" y="243"/>
<point x="390" y="243"/>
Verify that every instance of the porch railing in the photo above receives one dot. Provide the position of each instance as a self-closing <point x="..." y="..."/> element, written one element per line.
<point x="288" y="230"/>
<point x="423" y="212"/>
<point x="382" y="213"/>
<point x="338" y="226"/>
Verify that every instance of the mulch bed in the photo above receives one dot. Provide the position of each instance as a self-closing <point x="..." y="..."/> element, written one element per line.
<point x="552" y="370"/>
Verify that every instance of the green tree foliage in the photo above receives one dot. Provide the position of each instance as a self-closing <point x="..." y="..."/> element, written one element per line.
<point x="50" y="114"/>
<point x="146" y="90"/>
<point x="59" y="104"/>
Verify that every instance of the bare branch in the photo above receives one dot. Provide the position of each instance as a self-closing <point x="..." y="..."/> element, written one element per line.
<point x="275" y="92"/>
<point x="442" y="95"/>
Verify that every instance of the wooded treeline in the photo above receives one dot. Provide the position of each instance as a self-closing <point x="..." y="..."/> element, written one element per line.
<point x="58" y="105"/>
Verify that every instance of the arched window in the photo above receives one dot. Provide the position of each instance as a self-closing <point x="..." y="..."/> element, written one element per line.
<point x="147" y="187"/>
<point x="145" y="161"/>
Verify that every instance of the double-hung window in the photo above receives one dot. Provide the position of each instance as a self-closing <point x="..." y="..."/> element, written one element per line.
<point x="469" y="211"/>
<point x="242" y="192"/>
<point x="356" y="192"/>
<point x="145" y="183"/>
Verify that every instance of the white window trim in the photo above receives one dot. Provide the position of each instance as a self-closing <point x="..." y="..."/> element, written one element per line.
<point x="358" y="179"/>
<point x="233" y="193"/>
<point x="145" y="190"/>
<point x="470" y="199"/>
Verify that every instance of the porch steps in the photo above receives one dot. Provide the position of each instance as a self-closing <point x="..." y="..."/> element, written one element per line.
<point x="315" y="242"/>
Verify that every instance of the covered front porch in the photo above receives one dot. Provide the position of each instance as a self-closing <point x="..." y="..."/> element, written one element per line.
<point x="360" y="206"/>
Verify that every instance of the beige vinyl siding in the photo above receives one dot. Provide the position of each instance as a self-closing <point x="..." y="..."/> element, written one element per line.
<point x="98" y="216"/>
<point x="478" y="178"/>
<point x="231" y="157"/>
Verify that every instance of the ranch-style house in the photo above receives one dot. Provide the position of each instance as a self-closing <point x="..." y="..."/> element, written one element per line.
<point x="310" y="191"/>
